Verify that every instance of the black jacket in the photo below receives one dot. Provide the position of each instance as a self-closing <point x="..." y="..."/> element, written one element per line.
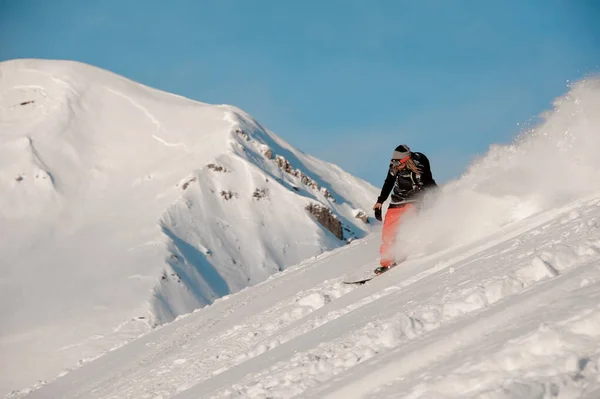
<point x="407" y="186"/>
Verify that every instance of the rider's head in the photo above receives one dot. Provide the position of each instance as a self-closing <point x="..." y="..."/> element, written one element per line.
<point x="401" y="156"/>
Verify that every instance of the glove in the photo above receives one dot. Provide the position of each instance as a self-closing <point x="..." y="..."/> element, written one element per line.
<point x="378" y="214"/>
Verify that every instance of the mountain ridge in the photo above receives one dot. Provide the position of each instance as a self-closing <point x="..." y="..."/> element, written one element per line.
<point x="124" y="204"/>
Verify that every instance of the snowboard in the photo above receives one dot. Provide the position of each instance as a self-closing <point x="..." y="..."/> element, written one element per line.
<point x="364" y="279"/>
<point x="361" y="281"/>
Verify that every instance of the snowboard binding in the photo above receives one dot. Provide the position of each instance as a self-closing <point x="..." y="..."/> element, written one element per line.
<point x="383" y="269"/>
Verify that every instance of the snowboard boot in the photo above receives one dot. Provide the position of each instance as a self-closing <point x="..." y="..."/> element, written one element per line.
<point x="383" y="269"/>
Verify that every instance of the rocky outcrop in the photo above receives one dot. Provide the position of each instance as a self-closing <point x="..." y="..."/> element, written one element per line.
<point x="327" y="194"/>
<point x="359" y="214"/>
<point x="187" y="183"/>
<point x="260" y="193"/>
<point x="306" y="180"/>
<point x="217" y="168"/>
<point x="242" y="134"/>
<point x="327" y="219"/>
<point x="267" y="152"/>
<point x="227" y="195"/>
<point x="284" y="164"/>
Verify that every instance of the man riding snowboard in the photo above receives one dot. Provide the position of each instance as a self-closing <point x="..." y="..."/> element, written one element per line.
<point x="409" y="176"/>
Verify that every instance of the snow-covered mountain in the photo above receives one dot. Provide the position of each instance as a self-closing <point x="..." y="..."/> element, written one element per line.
<point x="122" y="207"/>
<point x="499" y="298"/>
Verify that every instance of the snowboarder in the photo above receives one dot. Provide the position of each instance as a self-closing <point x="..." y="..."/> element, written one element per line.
<point x="409" y="176"/>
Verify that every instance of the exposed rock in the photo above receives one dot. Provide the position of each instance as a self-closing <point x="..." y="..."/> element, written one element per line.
<point x="359" y="214"/>
<point x="171" y="276"/>
<point x="243" y="134"/>
<point x="306" y="180"/>
<point x="327" y="194"/>
<point x="217" y="168"/>
<point x="260" y="193"/>
<point x="303" y="178"/>
<point x="19" y="178"/>
<point x="267" y="152"/>
<point x="188" y="182"/>
<point x="327" y="219"/>
<point x="227" y="195"/>
<point x="284" y="164"/>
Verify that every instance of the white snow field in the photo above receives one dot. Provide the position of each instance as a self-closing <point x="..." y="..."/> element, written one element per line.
<point x="499" y="297"/>
<point x="123" y="207"/>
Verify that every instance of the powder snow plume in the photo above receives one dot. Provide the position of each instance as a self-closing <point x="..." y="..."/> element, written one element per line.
<point x="553" y="163"/>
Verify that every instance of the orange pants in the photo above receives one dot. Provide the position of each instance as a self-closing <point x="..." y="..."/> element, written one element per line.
<point x="388" y="235"/>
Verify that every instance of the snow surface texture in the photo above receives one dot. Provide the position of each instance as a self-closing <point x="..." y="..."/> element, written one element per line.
<point x="123" y="207"/>
<point x="506" y="303"/>
<point x="516" y="315"/>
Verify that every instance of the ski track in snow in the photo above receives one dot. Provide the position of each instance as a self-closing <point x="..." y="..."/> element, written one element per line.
<point x="332" y="335"/>
<point x="208" y="353"/>
<point x="149" y="115"/>
<point x="410" y="320"/>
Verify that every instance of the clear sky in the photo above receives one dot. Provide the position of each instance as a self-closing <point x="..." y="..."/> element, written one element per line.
<point x="345" y="81"/>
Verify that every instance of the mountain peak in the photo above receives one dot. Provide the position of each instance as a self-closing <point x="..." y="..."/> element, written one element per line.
<point x="122" y="202"/>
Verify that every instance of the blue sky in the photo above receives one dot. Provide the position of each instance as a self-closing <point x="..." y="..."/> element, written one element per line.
<point x="345" y="81"/>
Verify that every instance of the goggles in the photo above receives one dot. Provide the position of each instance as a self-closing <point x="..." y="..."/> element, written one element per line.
<point x="397" y="162"/>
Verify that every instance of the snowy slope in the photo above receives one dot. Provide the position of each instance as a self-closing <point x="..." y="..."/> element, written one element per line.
<point x="516" y="313"/>
<point x="505" y="304"/>
<point x="122" y="207"/>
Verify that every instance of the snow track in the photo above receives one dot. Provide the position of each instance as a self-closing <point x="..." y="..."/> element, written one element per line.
<point x="215" y="338"/>
<point x="400" y="319"/>
<point x="491" y="318"/>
